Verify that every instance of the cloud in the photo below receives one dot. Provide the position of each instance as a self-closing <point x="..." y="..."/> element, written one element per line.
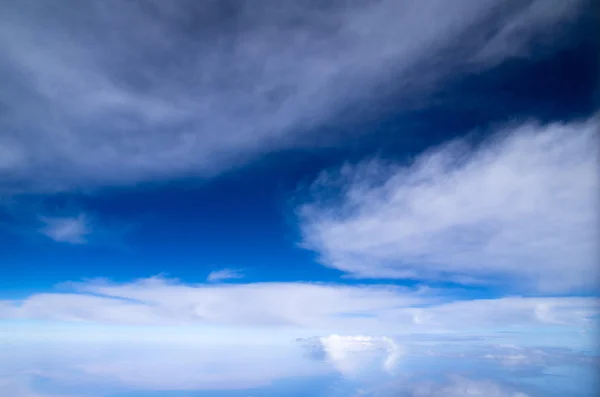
<point x="162" y="301"/>
<point x="353" y="355"/>
<point x="515" y="356"/>
<point x="462" y="387"/>
<point x="521" y="208"/>
<point x="451" y="386"/>
<point x="224" y="274"/>
<point x="109" y="359"/>
<point x="20" y="386"/>
<point x="515" y="37"/>
<point x="519" y="357"/>
<point x="360" y="309"/>
<point x="72" y="230"/>
<point x="87" y="99"/>
<point x="110" y="367"/>
<point x="15" y="388"/>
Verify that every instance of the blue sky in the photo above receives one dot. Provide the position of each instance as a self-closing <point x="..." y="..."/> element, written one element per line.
<point x="373" y="198"/>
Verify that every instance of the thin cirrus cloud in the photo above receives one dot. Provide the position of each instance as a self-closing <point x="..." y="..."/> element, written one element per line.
<point x="71" y="230"/>
<point x="209" y="86"/>
<point x="519" y="209"/>
<point x="224" y="274"/>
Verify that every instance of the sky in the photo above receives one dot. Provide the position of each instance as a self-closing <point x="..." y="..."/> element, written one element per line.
<point x="372" y="198"/>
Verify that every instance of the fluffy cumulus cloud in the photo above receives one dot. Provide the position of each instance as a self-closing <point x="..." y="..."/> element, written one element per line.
<point x="521" y="207"/>
<point x="355" y="355"/>
<point x="119" y="92"/>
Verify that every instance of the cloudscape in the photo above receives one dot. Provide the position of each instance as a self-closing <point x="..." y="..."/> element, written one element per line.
<point x="299" y="198"/>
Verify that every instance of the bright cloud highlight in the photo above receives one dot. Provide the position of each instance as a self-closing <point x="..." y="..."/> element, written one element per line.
<point x="353" y="355"/>
<point x="520" y="209"/>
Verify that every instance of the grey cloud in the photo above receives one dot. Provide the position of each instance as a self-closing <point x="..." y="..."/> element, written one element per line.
<point x="112" y="92"/>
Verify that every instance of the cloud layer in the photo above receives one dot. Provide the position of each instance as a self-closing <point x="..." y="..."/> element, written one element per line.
<point x="462" y="387"/>
<point x="521" y="208"/>
<point x="111" y="92"/>
<point x="158" y="334"/>
<point x="361" y="309"/>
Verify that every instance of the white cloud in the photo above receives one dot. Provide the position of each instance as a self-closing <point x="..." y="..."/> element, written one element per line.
<point x="354" y="355"/>
<point x="504" y="312"/>
<point x="72" y="230"/>
<point x="516" y="356"/>
<point x="19" y="386"/>
<point x="14" y="388"/>
<point x="109" y="367"/>
<point x="534" y="356"/>
<point x="193" y="368"/>
<point x="463" y="387"/>
<point x="205" y="89"/>
<point x="160" y="301"/>
<point x="224" y="274"/>
<point x="452" y="386"/>
<point x="318" y="307"/>
<point x="522" y="207"/>
<point x="158" y="334"/>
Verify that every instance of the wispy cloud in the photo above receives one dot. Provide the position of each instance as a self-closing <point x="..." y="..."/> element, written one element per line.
<point x="515" y="356"/>
<point x="451" y="385"/>
<point x="224" y="274"/>
<point x="520" y="209"/>
<point x="72" y="230"/>
<point x="113" y="366"/>
<point x="459" y="386"/>
<point x="88" y="100"/>
<point x="18" y="388"/>
<point x="299" y="305"/>
<point x="161" y="301"/>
